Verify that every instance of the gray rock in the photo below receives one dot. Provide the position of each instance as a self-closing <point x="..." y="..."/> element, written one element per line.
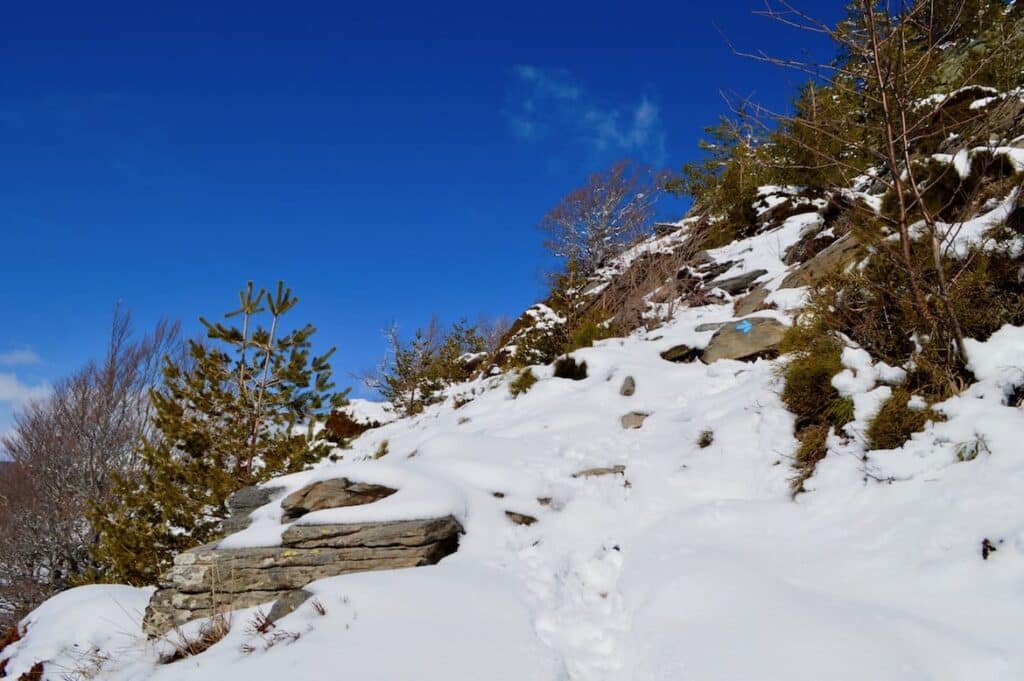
<point x="242" y="503"/>
<point x="334" y="493"/>
<point x="628" y="387"/>
<point x="736" y="285"/>
<point x="634" y="419"/>
<point x="372" y="535"/>
<point x="710" y="326"/>
<point x="287" y="604"/>
<point x="206" y="580"/>
<point x="746" y="339"/>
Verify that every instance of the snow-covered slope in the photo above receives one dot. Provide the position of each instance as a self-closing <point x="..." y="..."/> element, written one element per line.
<point x="688" y="562"/>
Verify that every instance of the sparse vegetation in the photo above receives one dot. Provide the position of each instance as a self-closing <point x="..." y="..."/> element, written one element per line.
<point x="415" y="372"/>
<point x="68" y="450"/>
<point x="896" y="421"/>
<point x="707" y="437"/>
<point x="210" y="633"/>
<point x="524" y="380"/>
<point x="567" y="367"/>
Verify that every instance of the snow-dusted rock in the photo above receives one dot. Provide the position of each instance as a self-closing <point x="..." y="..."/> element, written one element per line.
<point x="334" y="493"/>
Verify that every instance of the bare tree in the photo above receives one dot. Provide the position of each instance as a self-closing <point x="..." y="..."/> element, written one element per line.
<point x="599" y="219"/>
<point x="66" y="450"/>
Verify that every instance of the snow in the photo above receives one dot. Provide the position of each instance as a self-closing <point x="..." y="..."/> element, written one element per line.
<point x="694" y="563"/>
<point x="766" y="250"/>
<point x="368" y="411"/>
<point x="71" y="630"/>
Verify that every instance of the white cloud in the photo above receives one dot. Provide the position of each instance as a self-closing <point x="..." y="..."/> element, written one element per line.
<point x="18" y="357"/>
<point x="550" y="103"/>
<point x="16" y="393"/>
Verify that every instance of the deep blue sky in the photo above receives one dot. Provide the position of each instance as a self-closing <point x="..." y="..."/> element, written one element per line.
<point x="386" y="161"/>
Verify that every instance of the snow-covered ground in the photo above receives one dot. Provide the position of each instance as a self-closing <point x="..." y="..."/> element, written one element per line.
<point x="692" y="563"/>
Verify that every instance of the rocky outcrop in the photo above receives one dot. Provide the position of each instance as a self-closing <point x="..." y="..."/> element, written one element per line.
<point x="747" y="339"/>
<point x="206" y="580"/>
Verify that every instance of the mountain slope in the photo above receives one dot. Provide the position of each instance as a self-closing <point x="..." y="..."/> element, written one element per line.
<point x="670" y="550"/>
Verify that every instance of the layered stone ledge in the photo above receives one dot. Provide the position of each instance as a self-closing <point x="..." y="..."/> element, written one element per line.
<point x="206" y="580"/>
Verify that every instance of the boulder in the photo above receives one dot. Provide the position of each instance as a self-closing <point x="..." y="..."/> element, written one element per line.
<point x="747" y="339"/>
<point x="334" y="493"/>
<point x="634" y="419"/>
<point x="628" y="387"/>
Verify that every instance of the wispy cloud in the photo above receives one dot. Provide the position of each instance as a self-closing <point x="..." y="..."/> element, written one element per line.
<point x="21" y="357"/>
<point x="550" y="103"/>
<point x="15" y="393"/>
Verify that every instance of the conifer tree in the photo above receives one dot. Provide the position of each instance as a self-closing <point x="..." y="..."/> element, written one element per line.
<point x="241" y="410"/>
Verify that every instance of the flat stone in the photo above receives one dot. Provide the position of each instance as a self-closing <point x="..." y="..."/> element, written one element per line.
<point x="709" y="326"/>
<point x="738" y="284"/>
<point x="746" y="339"/>
<point x="681" y="353"/>
<point x="750" y="303"/>
<point x="628" y="387"/>
<point x="617" y="469"/>
<point x="520" y="518"/>
<point x="335" y="493"/>
<point x="634" y="419"/>
<point x="371" y="535"/>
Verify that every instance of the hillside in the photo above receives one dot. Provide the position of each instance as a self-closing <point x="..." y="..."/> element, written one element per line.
<point x="778" y="439"/>
<point x="667" y="550"/>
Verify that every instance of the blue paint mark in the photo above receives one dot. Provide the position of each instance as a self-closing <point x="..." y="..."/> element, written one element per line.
<point x="745" y="326"/>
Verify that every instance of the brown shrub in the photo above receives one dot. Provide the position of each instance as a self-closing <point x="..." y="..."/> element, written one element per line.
<point x="341" y="427"/>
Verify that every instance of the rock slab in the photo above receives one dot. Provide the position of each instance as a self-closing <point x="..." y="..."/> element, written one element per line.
<point x="207" y="580"/>
<point x="746" y="340"/>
